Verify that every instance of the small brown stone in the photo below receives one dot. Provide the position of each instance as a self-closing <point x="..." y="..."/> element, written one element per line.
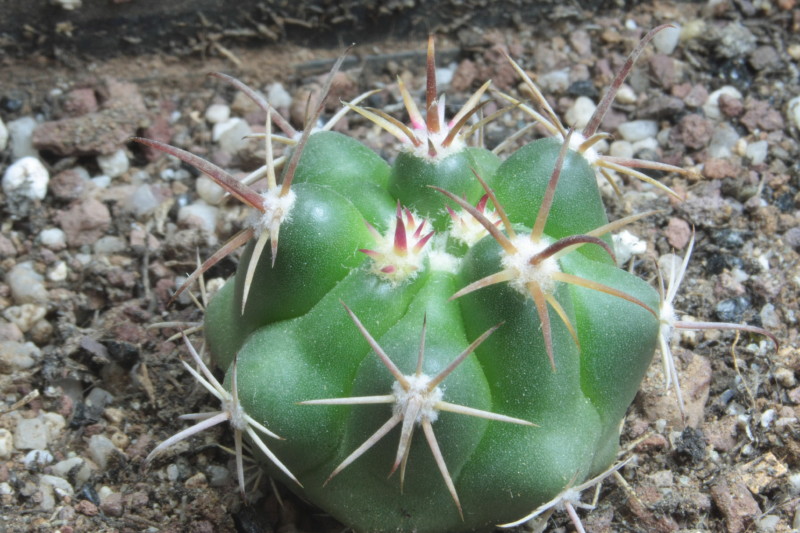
<point x="85" y="507"/>
<point x="80" y="101"/>
<point x="464" y="76"/>
<point x="678" y="233"/>
<point x="730" y="106"/>
<point x="760" y="115"/>
<point x="112" y="505"/>
<point x="735" y="503"/>
<point x="694" y="131"/>
<point x="716" y="169"/>
<point x="84" y="222"/>
<point x="663" y="68"/>
<point x="68" y="185"/>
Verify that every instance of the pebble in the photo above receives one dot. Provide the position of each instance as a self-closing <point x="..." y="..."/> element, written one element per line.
<point x="199" y="215"/>
<point x="723" y="139"/>
<point x="26" y="178"/>
<point x="35" y="459"/>
<point x="112" y="504"/>
<point x="626" y="95"/>
<point x="208" y="190"/>
<point x="197" y="481"/>
<point x="75" y="468"/>
<point x="144" y="200"/>
<point x="554" y="82"/>
<point x="20" y="133"/>
<point x="667" y="39"/>
<point x="53" y="238"/>
<point x="581" y="111"/>
<point x="70" y="184"/>
<point x="793" y="111"/>
<point x="695" y="131"/>
<point x="27" y="285"/>
<point x="58" y="271"/>
<point x="84" y="222"/>
<point x="636" y="130"/>
<point x="102" y="450"/>
<point x="16" y="356"/>
<point x="732" y="309"/>
<point x="792" y="237"/>
<point x="216" y="113"/>
<point x="734" y="40"/>
<point x="110" y="244"/>
<point x="769" y="318"/>
<point x="711" y="107"/>
<point x="25" y="316"/>
<point x="101" y="182"/>
<point x="622" y="149"/>
<point x="6" y="443"/>
<point x="115" y="164"/>
<point x="756" y="152"/>
<point x="218" y="476"/>
<point x="31" y="434"/>
<point x="230" y="134"/>
<point x="60" y="486"/>
<point x="3" y="135"/>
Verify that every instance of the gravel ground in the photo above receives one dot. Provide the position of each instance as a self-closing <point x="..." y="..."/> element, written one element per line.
<point x="100" y="233"/>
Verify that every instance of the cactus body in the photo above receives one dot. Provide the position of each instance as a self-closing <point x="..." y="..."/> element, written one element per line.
<point x="295" y="342"/>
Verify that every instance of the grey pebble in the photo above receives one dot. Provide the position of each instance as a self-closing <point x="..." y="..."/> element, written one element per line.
<point x="31" y="434"/>
<point x="27" y="285"/>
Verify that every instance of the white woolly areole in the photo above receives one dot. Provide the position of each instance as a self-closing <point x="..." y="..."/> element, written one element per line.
<point x="444" y="262"/>
<point x="417" y="394"/>
<point x="468" y="230"/>
<point x="238" y="417"/>
<point x="591" y="155"/>
<point x="436" y="139"/>
<point x="519" y="263"/>
<point x="667" y="316"/>
<point x="277" y="209"/>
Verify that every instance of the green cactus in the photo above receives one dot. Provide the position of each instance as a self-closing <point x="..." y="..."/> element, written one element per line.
<point x="475" y="299"/>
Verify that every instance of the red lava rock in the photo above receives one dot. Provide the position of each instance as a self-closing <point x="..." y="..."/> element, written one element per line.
<point x="663" y="69"/>
<point x="696" y="97"/>
<point x="716" y="169"/>
<point x="657" y="403"/>
<point x="678" y="233"/>
<point x="101" y="132"/>
<point x="80" y="101"/>
<point x="730" y="106"/>
<point x="721" y="433"/>
<point x="68" y="185"/>
<point x="761" y="116"/>
<point x="85" y="507"/>
<point x="84" y="222"/>
<point x="694" y="131"/>
<point x="464" y="76"/>
<point x="681" y="90"/>
<point x="735" y="503"/>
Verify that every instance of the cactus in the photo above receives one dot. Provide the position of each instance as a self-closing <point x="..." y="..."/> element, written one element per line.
<point x="474" y="298"/>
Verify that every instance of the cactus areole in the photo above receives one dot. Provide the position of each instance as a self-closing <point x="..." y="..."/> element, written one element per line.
<point x="442" y="344"/>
